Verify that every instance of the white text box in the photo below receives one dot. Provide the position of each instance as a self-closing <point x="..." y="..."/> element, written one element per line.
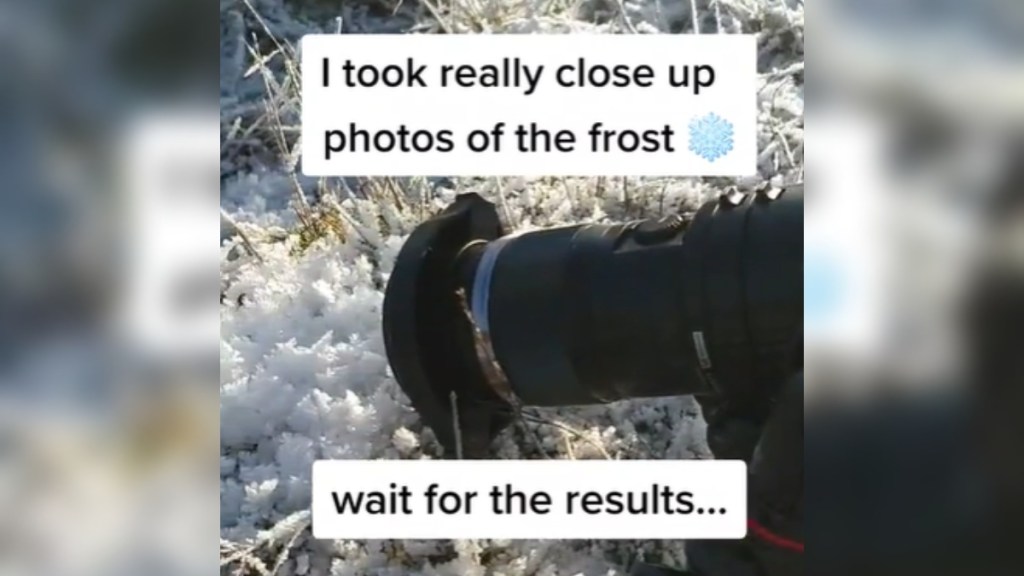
<point x="408" y="105"/>
<point x="691" y="499"/>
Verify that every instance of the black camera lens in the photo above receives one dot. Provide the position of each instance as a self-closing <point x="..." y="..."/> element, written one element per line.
<point x="598" y="312"/>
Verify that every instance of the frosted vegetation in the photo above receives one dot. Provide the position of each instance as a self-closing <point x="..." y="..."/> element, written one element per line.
<point x="303" y="370"/>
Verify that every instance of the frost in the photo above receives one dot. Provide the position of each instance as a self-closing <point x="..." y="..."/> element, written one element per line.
<point x="405" y="441"/>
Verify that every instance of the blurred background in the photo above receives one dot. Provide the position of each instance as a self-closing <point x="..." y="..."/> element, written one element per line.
<point x="108" y="279"/>
<point x="914" y="284"/>
<point x="914" y="279"/>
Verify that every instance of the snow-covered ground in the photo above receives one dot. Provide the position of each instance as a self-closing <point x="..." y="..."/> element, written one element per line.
<point x="303" y="370"/>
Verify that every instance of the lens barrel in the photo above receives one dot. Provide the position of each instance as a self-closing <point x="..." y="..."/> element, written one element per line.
<point x="599" y="312"/>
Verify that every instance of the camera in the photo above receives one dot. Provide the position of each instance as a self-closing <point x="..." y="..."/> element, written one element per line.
<point x="478" y="321"/>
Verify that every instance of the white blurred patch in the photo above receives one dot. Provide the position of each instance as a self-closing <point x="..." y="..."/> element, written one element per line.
<point x="173" y="213"/>
<point x="844" y="243"/>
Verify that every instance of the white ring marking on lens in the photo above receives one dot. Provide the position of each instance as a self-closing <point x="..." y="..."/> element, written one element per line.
<point x="482" y="284"/>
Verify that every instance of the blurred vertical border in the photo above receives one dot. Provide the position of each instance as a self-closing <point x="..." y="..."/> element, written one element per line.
<point x="915" y="139"/>
<point x="108" y="287"/>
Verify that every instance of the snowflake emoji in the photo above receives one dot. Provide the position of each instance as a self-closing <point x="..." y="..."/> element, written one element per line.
<point x="710" y="136"/>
